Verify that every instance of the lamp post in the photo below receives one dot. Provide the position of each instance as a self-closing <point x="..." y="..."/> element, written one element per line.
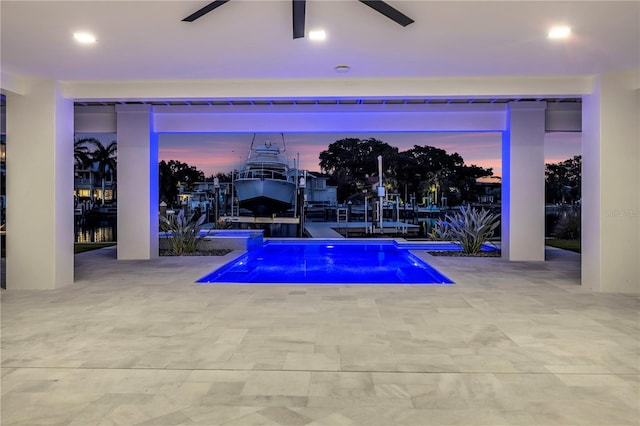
<point x="380" y="194"/>
<point x="216" y="186"/>
<point x="225" y="199"/>
<point x="366" y="209"/>
<point x="301" y="186"/>
<point x="233" y="180"/>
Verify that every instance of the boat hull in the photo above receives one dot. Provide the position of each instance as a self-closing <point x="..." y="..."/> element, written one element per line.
<point x="265" y="197"/>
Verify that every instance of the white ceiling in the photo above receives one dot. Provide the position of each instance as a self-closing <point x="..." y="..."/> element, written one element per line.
<point x="142" y="40"/>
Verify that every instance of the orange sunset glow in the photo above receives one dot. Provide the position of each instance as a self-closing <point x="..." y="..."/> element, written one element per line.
<point x="223" y="152"/>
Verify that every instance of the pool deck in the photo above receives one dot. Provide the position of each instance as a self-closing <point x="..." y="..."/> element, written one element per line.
<point x="138" y="342"/>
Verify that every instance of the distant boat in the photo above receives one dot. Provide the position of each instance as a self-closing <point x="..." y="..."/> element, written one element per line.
<point x="263" y="185"/>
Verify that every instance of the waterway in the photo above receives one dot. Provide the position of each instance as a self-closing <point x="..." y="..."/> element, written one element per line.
<point x="106" y="230"/>
<point x="101" y="231"/>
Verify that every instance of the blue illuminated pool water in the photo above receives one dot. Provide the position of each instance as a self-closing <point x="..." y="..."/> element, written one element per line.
<point x="327" y="262"/>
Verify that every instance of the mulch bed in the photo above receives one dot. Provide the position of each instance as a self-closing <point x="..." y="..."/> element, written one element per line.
<point x="495" y="253"/>
<point x="216" y="252"/>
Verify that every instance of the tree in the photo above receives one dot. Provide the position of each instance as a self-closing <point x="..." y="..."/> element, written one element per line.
<point x="167" y="183"/>
<point x="434" y="174"/>
<point x="464" y="179"/>
<point x="105" y="159"/>
<point x="102" y="157"/>
<point x="222" y="177"/>
<point x="429" y="171"/>
<point x="425" y="171"/>
<point x="562" y="180"/>
<point x="81" y="154"/>
<point x="351" y="162"/>
<point x="171" y="174"/>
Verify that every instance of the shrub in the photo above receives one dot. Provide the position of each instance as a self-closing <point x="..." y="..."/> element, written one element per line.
<point x="183" y="232"/>
<point x="440" y="231"/>
<point x="471" y="228"/>
<point x="568" y="226"/>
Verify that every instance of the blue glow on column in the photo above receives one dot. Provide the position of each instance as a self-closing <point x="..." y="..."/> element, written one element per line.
<point x="506" y="186"/>
<point x="154" y="194"/>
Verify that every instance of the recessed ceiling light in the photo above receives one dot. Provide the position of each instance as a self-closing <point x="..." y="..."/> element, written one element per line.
<point x="342" y="68"/>
<point x="84" y="38"/>
<point x="559" y="32"/>
<point x="317" y="35"/>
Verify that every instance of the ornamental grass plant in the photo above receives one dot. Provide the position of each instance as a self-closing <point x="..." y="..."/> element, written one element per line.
<point x="182" y="232"/>
<point x="470" y="228"/>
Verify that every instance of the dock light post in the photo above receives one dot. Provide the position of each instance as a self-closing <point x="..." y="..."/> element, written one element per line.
<point x="216" y="186"/>
<point x="380" y="193"/>
<point x="295" y="179"/>
<point x="301" y="186"/>
<point x="233" y="192"/>
<point x="366" y="209"/>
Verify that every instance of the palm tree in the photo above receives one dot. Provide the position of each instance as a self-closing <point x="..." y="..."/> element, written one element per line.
<point x="81" y="154"/>
<point x="105" y="159"/>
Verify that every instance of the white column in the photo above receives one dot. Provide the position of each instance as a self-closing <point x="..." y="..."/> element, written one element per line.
<point x="523" y="182"/>
<point x="611" y="184"/>
<point x="137" y="183"/>
<point x="39" y="188"/>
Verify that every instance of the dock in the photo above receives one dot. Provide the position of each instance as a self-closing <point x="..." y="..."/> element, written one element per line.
<point x="341" y="229"/>
<point x="261" y="220"/>
<point x="360" y="229"/>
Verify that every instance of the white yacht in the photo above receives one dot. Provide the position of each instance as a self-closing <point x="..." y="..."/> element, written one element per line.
<point x="264" y="186"/>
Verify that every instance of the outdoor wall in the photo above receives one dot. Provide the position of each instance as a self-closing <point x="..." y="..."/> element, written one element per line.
<point x="138" y="177"/>
<point x="39" y="188"/>
<point x="329" y="118"/>
<point x="95" y="119"/>
<point x="611" y="184"/>
<point x="342" y="88"/>
<point x="563" y="117"/>
<point x="523" y="182"/>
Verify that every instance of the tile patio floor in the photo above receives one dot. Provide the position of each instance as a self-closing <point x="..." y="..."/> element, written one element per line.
<point x="138" y="343"/>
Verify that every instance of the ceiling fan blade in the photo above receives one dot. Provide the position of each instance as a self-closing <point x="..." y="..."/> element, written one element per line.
<point x="299" y="7"/>
<point x="388" y="11"/>
<point x="208" y="8"/>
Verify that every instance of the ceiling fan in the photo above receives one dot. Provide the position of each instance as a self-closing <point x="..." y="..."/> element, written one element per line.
<point x="299" y="13"/>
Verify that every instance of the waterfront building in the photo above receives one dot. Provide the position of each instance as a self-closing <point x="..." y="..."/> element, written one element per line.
<point x="87" y="185"/>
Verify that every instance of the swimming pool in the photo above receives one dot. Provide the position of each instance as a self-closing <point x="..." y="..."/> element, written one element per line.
<point x="327" y="262"/>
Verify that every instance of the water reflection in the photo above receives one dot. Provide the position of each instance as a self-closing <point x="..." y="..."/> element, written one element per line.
<point x="100" y="232"/>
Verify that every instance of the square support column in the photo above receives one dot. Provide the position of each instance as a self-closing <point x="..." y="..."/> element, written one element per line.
<point x="523" y="182"/>
<point x="137" y="183"/>
<point x="39" y="188"/>
<point x="611" y="184"/>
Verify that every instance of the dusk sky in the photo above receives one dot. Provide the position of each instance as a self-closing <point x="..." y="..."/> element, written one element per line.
<point x="223" y="152"/>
